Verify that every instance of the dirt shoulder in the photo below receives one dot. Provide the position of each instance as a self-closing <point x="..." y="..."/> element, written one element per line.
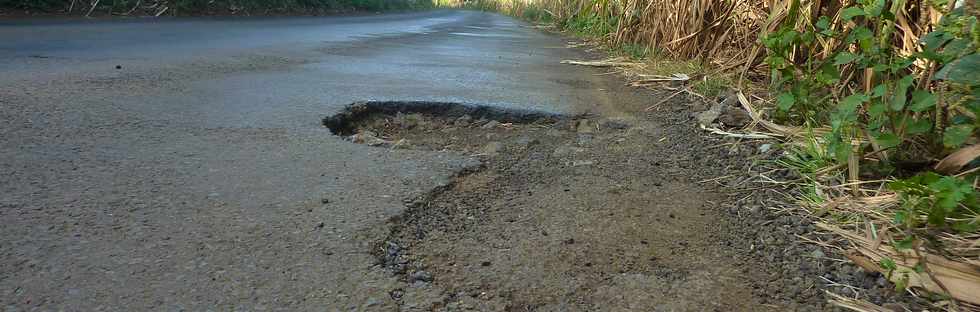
<point x="586" y="213"/>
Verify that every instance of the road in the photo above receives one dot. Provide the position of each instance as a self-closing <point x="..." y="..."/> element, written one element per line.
<point x="180" y="164"/>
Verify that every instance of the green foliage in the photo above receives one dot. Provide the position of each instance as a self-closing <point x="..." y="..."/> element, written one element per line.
<point x="34" y="5"/>
<point x="906" y="103"/>
<point x="931" y="200"/>
<point x="590" y="25"/>
<point x="631" y="50"/>
<point x="536" y="14"/>
<point x="902" y="107"/>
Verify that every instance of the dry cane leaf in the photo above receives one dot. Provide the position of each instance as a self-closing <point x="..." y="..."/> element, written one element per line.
<point x="958" y="159"/>
<point x="961" y="280"/>
<point x="855" y="304"/>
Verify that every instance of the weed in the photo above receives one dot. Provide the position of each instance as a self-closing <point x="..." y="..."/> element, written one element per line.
<point x="589" y="25"/>
<point x="930" y="200"/>
<point x="634" y="51"/>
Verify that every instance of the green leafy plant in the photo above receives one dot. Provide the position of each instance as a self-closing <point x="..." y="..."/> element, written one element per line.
<point x="933" y="201"/>
<point x="870" y="90"/>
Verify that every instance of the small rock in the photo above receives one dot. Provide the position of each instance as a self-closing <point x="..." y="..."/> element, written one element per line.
<point x="463" y="121"/>
<point x="372" y="302"/>
<point x="584" y="126"/>
<point x="422" y="276"/>
<point x="698" y="106"/>
<point x="368" y="138"/>
<point x="490" y="125"/>
<point x="897" y="307"/>
<point x="614" y="123"/>
<point x="553" y="133"/>
<point x="525" y="141"/>
<point x="564" y="151"/>
<point x="764" y="148"/>
<point x="397" y="294"/>
<point x="707" y="117"/>
<point x="882" y="281"/>
<point x="493" y="148"/>
<point x="583" y="139"/>
<point x="734" y="117"/>
<point x="582" y="163"/>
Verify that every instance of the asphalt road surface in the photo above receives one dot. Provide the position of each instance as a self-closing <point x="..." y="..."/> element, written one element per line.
<point x="180" y="164"/>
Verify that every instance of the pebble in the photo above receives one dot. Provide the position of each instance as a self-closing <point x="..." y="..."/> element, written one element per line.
<point x="490" y="125"/>
<point x="463" y="121"/>
<point x="734" y="117"/>
<point x="367" y="137"/>
<point x="584" y="126"/>
<point x="613" y="123"/>
<point x="707" y="117"/>
<point x="397" y="294"/>
<point x="420" y="276"/>
<point x="372" y="302"/>
<point x="553" y="133"/>
<point x="565" y="150"/>
<point x="493" y="148"/>
<point x="525" y="141"/>
<point x="764" y="148"/>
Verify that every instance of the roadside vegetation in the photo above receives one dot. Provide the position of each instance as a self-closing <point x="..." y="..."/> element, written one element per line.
<point x="875" y="103"/>
<point x="209" y="7"/>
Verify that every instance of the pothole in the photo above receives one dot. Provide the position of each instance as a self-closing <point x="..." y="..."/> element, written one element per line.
<point x="468" y="129"/>
<point x="561" y="204"/>
<point x="507" y="142"/>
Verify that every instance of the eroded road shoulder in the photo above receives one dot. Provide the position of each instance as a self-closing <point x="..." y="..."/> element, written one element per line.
<point x="567" y="213"/>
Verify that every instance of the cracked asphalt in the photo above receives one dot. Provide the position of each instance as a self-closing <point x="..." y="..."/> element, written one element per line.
<point x="181" y="164"/>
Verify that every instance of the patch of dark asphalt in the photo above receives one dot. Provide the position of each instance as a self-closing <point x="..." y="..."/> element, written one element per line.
<point x="354" y="115"/>
<point x="588" y="213"/>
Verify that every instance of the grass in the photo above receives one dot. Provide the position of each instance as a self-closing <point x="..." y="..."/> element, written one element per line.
<point x="593" y="26"/>
<point x="599" y="28"/>
<point x="536" y="14"/>
<point x="245" y="7"/>
<point x="631" y="50"/>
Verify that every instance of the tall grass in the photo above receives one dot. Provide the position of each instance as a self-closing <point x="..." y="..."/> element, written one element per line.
<point x="683" y="29"/>
<point x="239" y="7"/>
